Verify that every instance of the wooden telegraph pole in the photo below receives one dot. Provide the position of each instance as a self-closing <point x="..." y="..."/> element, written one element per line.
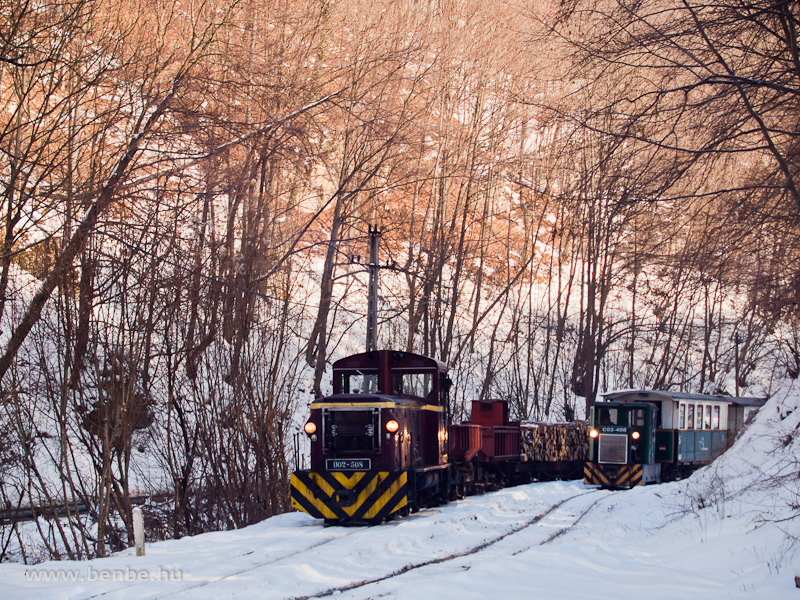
<point x="372" y="302"/>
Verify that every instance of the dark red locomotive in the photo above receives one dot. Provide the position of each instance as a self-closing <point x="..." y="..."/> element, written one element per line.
<point x="379" y="443"/>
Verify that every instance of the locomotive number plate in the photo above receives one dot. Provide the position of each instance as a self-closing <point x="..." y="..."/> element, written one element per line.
<point x="614" y="429"/>
<point x="348" y="464"/>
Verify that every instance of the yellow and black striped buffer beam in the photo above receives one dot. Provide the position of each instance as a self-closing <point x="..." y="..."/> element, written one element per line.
<point x="622" y="476"/>
<point x="362" y="495"/>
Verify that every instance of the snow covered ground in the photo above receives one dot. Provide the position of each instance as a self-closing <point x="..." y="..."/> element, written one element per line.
<point x="730" y="531"/>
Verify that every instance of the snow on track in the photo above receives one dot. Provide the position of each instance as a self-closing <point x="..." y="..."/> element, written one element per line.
<point x="555" y="513"/>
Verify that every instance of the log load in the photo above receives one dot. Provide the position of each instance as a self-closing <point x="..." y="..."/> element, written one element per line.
<point x="555" y="442"/>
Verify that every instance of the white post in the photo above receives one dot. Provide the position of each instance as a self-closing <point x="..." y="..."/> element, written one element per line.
<point x="138" y="531"/>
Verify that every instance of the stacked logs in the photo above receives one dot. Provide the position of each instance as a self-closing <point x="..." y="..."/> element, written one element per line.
<point x="554" y="442"/>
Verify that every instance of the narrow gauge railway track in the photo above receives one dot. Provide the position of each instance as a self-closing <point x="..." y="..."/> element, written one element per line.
<point x="537" y="520"/>
<point x="557" y="510"/>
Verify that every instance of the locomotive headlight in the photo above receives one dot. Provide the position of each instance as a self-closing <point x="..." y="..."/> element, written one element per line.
<point x="392" y="426"/>
<point x="635" y="435"/>
<point x="310" y="428"/>
<point x="593" y="433"/>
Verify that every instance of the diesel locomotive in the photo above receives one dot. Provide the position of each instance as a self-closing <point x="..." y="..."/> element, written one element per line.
<point x="379" y="443"/>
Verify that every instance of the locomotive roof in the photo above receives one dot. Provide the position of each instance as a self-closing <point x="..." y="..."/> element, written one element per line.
<point x="667" y="395"/>
<point x="403" y="360"/>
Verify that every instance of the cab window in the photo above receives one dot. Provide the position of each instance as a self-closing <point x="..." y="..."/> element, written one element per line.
<point x="609" y="416"/>
<point x="359" y="383"/>
<point x="637" y="417"/>
<point x="413" y="384"/>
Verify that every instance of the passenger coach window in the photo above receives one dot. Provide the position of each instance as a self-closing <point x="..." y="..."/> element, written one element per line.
<point x="699" y="414"/>
<point x="690" y="417"/>
<point x="708" y="417"/>
<point x="413" y="384"/>
<point x="715" y="418"/>
<point x="682" y="417"/>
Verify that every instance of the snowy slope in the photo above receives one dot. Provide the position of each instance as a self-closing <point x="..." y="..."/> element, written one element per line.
<point x="726" y="532"/>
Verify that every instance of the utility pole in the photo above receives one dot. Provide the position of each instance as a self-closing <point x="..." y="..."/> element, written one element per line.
<point x="372" y="302"/>
<point x="736" y="341"/>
